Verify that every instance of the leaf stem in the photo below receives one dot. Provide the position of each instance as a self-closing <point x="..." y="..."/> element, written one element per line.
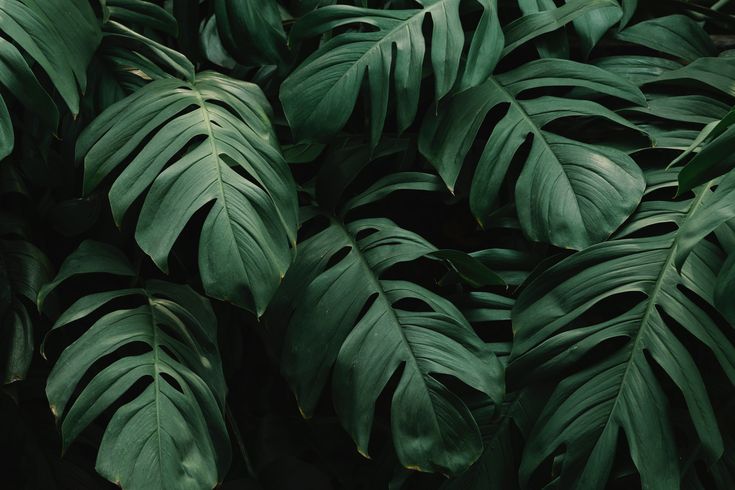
<point x="235" y="430"/>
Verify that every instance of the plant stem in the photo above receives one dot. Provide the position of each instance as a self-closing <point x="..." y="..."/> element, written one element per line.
<point x="238" y="439"/>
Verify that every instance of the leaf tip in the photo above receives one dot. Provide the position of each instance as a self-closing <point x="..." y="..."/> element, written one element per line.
<point x="304" y="415"/>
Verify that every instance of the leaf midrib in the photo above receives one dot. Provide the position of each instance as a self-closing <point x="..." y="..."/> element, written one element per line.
<point x="653" y="300"/>
<point x="156" y="379"/>
<point x="215" y="155"/>
<point x="378" y="287"/>
<point x="538" y="133"/>
<point x="402" y="24"/>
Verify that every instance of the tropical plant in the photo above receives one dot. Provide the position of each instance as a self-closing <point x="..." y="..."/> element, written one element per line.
<point x="363" y="244"/>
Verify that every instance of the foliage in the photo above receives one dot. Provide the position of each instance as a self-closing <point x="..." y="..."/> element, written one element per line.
<point x="456" y="244"/>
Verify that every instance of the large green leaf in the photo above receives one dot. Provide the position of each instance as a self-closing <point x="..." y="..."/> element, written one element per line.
<point x="569" y="193"/>
<point x="560" y="320"/>
<point x="344" y="319"/>
<point x="320" y="95"/>
<point x="216" y="137"/>
<point x="170" y="435"/>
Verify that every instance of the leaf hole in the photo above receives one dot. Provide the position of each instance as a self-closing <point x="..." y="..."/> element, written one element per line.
<point x="171" y="381"/>
<point x="338" y="256"/>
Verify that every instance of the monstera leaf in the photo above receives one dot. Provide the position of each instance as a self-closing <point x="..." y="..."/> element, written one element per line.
<point x="172" y="434"/>
<point x="503" y="433"/>
<point x="251" y="31"/>
<point x="560" y="319"/>
<point x="715" y="157"/>
<point x="129" y="57"/>
<point x="717" y="208"/>
<point x="590" y="26"/>
<point x="319" y="96"/>
<point x="63" y="54"/>
<point x="570" y="194"/>
<point x="344" y="319"/>
<point x="676" y="35"/>
<point x="216" y="137"/>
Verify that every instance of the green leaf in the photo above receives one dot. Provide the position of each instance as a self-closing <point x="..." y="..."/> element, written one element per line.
<point x="345" y="319"/>
<point x="715" y="73"/>
<point x="549" y="19"/>
<point x="124" y="48"/>
<point x="320" y="95"/>
<point x="569" y="194"/>
<point x="143" y="13"/>
<point x="592" y="26"/>
<point x="717" y="208"/>
<point x="636" y="69"/>
<point x="560" y="319"/>
<point x="172" y="434"/>
<point x="91" y="257"/>
<point x="554" y="44"/>
<point x="345" y="160"/>
<point x="251" y="31"/>
<point x="724" y="288"/>
<point x="23" y="270"/>
<point x="677" y="35"/>
<point x="715" y="158"/>
<point x="698" y="109"/>
<point x="471" y="270"/>
<point x="63" y="53"/>
<point x="503" y="441"/>
<point x="216" y="137"/>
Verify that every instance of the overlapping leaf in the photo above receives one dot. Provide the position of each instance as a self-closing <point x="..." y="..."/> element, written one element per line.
<point x="676" y="35"/>
<point x="62" y="53"/>
<point x="570" y="194"/>
<point x="128" y="58"/>
<point x="590" y="26"/>
<point x="216" y="137"/>
<point x="715" y="158"/>
<point x="171" y="435"/>
<point x="251" y="31"/>
<point x="319" y="96"/>
<point x="346" y="320"/>
<point x="560" y="318"/>
<point x="23" y="270"/>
